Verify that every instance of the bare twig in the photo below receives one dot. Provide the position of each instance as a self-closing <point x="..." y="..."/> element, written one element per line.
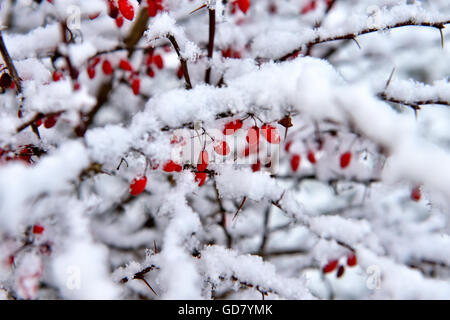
<point x="352" y="36"/>
<point x="10" y="65"/>
<point x="212" y="31"/>
<point x="183" y="61"/>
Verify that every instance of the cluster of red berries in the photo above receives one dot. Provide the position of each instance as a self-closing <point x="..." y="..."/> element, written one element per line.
<point x="231" y="53"/>
<point x="344" y="159"/>
<point x="120" y="9"/>
<point x="24" y="153"/>
<point x="333" y="264"/>
<point x="153" y="59"/>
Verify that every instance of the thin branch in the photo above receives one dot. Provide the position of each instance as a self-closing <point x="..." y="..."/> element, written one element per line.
<point x="212" y="31"/>
<point x="183" y="61"/>
<point x="9" y="64"/>
<point x="352" y="36"/>
<point x="413" y="104"/>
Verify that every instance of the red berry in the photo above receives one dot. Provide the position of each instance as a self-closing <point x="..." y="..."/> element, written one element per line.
<point x="340" y="271"/>
<point x="126" y="9"/>
<point x="200" y="177"/>
<point x="270" y="133"/>
<point x="222" y="148"/>
<point x="76" y="86"/>
<point x="256" y="166"/>
<point x="107" y="67"/>
<point x="150" y="72"/>
<point x="202" y="163"/>
<point x="38" y="229"/>
<point x="253" y="136"/>
<point x="330" y="266"/>
<point x="309" y="7"/>
<point x="137" y="186"/>
<point x="345" y="159"/>
<point x="91" y="72"/>
<point x="295" y="162"/>
<point x="38" y="123"/>
<point x="119" y="22"/>
<point x="152" y="8"/>
<point x="158" y="60"/>
<point x="50" y="122"/>
<point x="136" y="85"/>
<point x="57" y="76"/>
<point x="125" y="65"/>
<point x="232" y="127"/>
<point x="113" y="10"/>
<point x="180" y="72"/>
<point x="416" y="194"/>
<point x="288" y="146"/>
<point x="11" y="260"/>
<point x="351" y="260"/>
<point x="311" y="157"/>
<point x="171" y="166"/>
<point x="244" y="5"/>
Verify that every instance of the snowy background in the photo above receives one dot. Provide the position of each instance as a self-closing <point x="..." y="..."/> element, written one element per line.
<point x="250" y="149"/>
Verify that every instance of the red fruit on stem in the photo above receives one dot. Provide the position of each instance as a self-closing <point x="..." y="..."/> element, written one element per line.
<point x="253" y="136"/>
<point x="91" y="72"/>
<point x="287" y="146"/>
<point x="149" y="60"/>
<point x="330" y="266"/>
<point x="244" y="5"/>
<point x="38" y="229"/>
<point x="222" y="148"/>
<point x="270" y="133"/>
<point x="113" y="10"/>
<point x="126" y="9"/>
<point x="107" y="67"/>
<point x="202" y="163"/>
<point x="351" y="260"/>
<point x="340" y="271"/>
<point x="311" y="6"/>
<point x="137" y="186"/>
<point x="150" y="72"/>
<point x="125" y="65"/>
<point x="38" y="123"/>
<point x="152" y="8"/>
<point x="311" y="157"/>
<point x="11" y="260"/>
<point x="171" y="166"/>
<point x="232" y="127"/>
<point x="295" y="162"/>
<point x="136" y="85"/>
<point x="416" y="194"/>
<point x="119" y="22"/>
<point x="345" y="159"/>
<point x="158" y="60"/>
<point x="50" y="122"/>
<point x="56" y="76"/>
<point x="200" y="177"/>
<point x="256" y="166"/>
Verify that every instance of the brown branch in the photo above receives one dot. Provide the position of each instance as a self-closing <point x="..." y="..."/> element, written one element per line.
<point x="212" y="31"/>
<point x="352" y="36"/>
<point x="413" y="104"/>
<point x="9" y="64"/>
<point x="183" y="61"/>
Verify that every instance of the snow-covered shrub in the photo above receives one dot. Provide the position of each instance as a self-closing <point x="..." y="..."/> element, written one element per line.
<point x="191" y="149"/>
